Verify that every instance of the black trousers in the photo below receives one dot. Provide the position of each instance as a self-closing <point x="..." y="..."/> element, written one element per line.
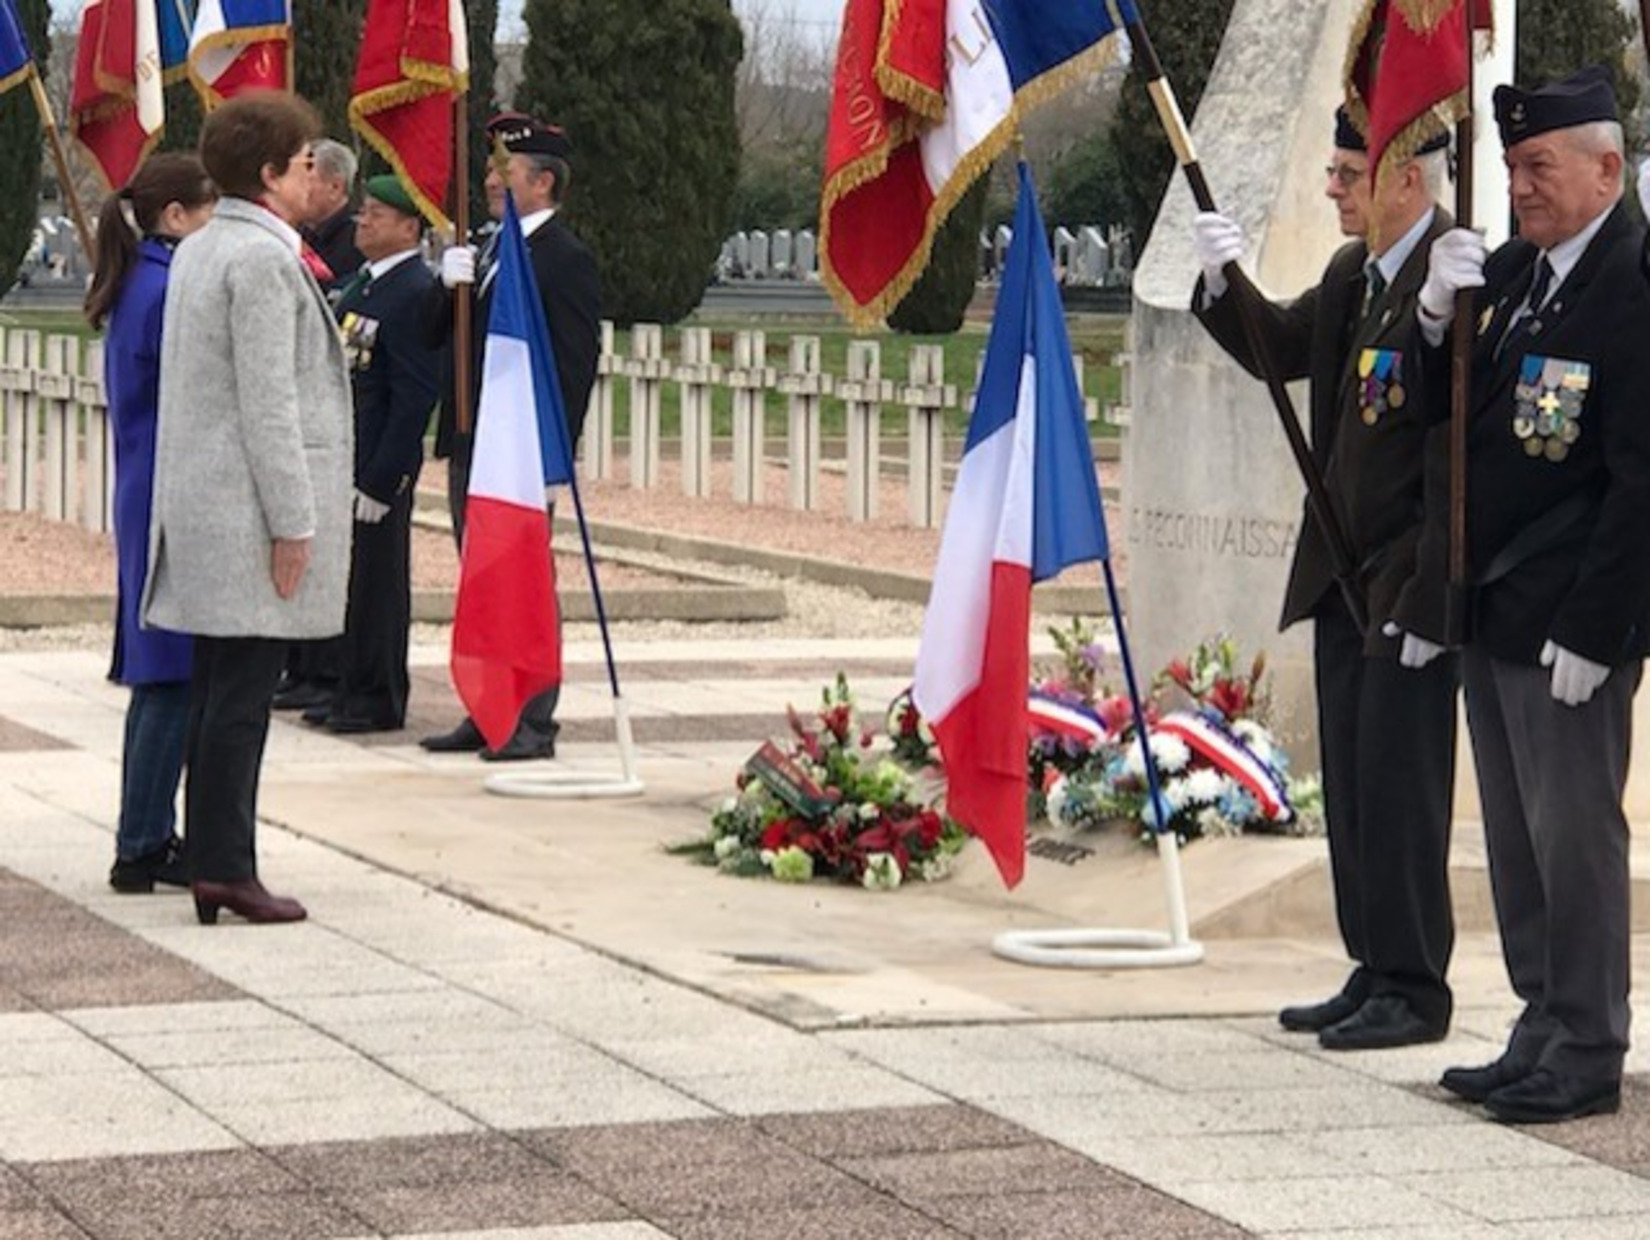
<point x="1387" y="735"/>
<point x="373" y="681"/>
<point x="229" y="701"/>
<point x="539" y="715"/>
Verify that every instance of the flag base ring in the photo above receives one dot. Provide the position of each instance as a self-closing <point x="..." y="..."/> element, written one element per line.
<point x="1097" y="949"/>
<point x="565" y="785"/>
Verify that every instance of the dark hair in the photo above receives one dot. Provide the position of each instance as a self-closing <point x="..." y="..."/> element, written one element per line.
<point x="239" y="139"/>
<point x="558" y="168"/>
<point x="134" y="213"/>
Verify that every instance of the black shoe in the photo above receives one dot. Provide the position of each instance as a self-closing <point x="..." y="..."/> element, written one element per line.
<point x="352" y="725"/>
<point x="139" y="876"/>
<point x="526" y="744"/>
<point x="1311" y="1017"/>
<point x="302" y="696"/>
<point x="1383" y="1021"/>
<point x="319" y="716"/>
<point x="465" y="738"/>
<point x="1545" y="1097"/>
<point x="1477" y="1084"/>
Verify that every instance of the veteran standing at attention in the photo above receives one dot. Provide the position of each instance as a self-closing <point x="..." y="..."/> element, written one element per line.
<point x="1388" y="837"/>
<point x="1558" y="512"/>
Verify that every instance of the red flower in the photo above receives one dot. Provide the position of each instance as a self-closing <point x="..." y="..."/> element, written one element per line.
<point x="1180" y="673"/>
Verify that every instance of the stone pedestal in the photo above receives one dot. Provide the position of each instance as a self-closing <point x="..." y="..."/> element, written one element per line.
<point x="1211" y="495"/>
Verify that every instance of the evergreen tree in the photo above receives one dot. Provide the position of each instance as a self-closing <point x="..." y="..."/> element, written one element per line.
<point x="327" y="40"/>
<point x="21" y="151"/>
<point x="483" y="19"/>
<point x="645" y="90"/>
<point x="936" y="303"/>
<point x="1085" y="187"/>
<point x="1186" y="34"/>
<point x="1557" y="37"/>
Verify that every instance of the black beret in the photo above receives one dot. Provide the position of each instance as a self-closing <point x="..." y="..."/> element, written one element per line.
<point x="522" y="135"/>
<point x="1347" y="137"/>
<point x="1580" y="99"/>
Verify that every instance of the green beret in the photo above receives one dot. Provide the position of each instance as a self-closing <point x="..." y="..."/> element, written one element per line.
<point x="388" y="190"/>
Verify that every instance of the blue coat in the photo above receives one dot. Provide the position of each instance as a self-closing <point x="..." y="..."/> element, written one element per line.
<point x="131" y="379"/>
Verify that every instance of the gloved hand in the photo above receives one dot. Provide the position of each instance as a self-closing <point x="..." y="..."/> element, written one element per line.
<point x="1218" y="241"/>
<point x="1644" y="186"/>
<point x="1456" y="263"/>
<point x="458" y="265"/>
<point x="1416" y="651"/>
<point x="1575" y="679"/>
<point x="369" y="511"/>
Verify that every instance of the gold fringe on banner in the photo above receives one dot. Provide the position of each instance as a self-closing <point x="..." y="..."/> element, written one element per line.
<point x="920" y="97"/>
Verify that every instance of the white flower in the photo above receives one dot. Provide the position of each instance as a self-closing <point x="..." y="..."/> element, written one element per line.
<point x="1168" y="752"/>
<point x="870" y="811"/>
<point x="1205" y="786"/>
<point x="881" y="872"/>
<point x="729" y="804"/>
<point x="935" y="868"/>
<point x="925" y="733"/>
<point x="1055" y="799"/>
<point x="726" y="847"/>
<point x="766" y="857"/>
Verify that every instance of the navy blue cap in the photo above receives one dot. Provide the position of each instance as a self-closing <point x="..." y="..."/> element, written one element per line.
<point x="522" y="135"/>
<point x="1347" y="137"/>
<point x="1580" y="99"/>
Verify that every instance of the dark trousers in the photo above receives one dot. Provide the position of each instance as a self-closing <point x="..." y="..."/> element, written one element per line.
<point x="151" y="764"/>
<point x="539" y="715"/>
<point x="229" y="703"/>
<point x="373" y="681"/>
<point x="1387" y="735"/>
<point x="315" y="662"/>
<point x="1550" y="778"/>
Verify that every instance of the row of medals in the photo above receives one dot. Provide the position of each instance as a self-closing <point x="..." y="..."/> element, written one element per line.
<point x="1547" y="415"/>
<point x="1374" y="365"/>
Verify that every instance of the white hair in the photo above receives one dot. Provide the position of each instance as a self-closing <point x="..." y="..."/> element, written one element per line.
<point x="1599" y="138"/>
<point x="1434" y="166"/>
<point x="335" y="162"/>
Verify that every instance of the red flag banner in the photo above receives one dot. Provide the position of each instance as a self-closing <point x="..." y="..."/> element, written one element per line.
<point x="116" y="109"/>
<point x="414" y="60"/>
<point x="1408" y="72"/>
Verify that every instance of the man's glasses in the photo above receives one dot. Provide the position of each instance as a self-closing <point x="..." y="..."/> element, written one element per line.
<point x="1344" y="175"/>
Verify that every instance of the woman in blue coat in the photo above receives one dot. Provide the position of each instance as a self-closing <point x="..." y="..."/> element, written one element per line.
<point x="169" y="198"/>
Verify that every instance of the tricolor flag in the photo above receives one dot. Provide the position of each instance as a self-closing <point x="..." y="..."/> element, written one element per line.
<point x="240" y="45"/>
<point x="415" y="59"/>
<point x="927" y="94"/>
<point x="1407" y="72"/>
<point x="176" y="18"/>
<point x="116" y="107"/>
<point x="15" y="62"/>
<point x="1026" y="506"/>
<point x="506" y="641"/>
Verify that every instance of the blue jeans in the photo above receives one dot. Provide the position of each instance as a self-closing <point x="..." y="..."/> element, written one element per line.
<point x="157" y="725"/>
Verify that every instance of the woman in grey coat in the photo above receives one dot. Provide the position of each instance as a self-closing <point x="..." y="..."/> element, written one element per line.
<point x="250" y="537"/>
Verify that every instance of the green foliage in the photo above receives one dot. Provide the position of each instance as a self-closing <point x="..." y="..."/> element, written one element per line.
<point x="1086" y="187"/>
<point x="645" y="88"/>
<point x="778" y="191"/>
<point x="327" y="36"/>
<point x="1186" y="34"/>
<point x="483" y="18"/>
<point x="20" y="151"/>
<point x="936" y="303"/>
<point x="184" y="115"/>
<point x="1557" y="37"/>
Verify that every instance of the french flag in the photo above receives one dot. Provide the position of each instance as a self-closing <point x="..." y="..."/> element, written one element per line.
<point x="1026" y="506"/>
<point x="506" y="641"/>
<point x="240" y="45"/>
<point x="117" y="108"/>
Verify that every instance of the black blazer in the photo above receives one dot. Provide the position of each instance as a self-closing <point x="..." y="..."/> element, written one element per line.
<point x="394" y="372"/>
<point x="1373" y="466"/>
<point x="1581" y="580"/>
<point x="571" y="291"/>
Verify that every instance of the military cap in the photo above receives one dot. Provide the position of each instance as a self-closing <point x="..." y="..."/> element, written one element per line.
<point x="522" y="135"/>
<point x="1580" y="99"/>
<point x="1347" y="137"/>
<point x="388" y="190"/>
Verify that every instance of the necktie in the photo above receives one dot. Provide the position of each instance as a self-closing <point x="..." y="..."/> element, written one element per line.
<point x="1374" y="285"/>
<point x="1527" y="314"/>
<point x="358" y="285"/>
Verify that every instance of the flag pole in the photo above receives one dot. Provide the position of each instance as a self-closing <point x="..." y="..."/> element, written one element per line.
<point x="1462" y="339"/>
<point x="60" y="161"/>
<point x="464" y="297"/>
<point x="1247" y="297"/>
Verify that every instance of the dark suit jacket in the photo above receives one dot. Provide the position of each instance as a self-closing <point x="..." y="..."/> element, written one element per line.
<point x="394" y="372"/>
<point x="571" y="291"/>
<point x="1373" y="470"/>
<point x="334" y="240"/>
<point x="1582" y="583"/>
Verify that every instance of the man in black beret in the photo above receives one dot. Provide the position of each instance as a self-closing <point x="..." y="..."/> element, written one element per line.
<point x="1388" y="837"/>
<point x="538" y="171"/>
<point x="1558" y="494"/>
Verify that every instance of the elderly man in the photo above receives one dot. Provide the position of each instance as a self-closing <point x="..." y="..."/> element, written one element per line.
<point x="538" y="173"/>
<point x="1558" y="494"/>
<point x="330" y="226"/>
<point x="1388" y="837"/>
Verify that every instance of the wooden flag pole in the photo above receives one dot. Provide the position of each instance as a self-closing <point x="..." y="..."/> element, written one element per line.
<point x="1247" y="300"/>
<point x="60" y="161"/>
<point x="1462" y="339"/>
<point x="463" y="298"/>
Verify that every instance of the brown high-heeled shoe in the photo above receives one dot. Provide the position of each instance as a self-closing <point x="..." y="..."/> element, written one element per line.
<point x="246" y="897"/>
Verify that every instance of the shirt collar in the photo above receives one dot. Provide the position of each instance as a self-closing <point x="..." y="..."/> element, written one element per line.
<point x="1392" y="262"/>
<point x="535" y="220"/>
<point x="383" y="266"/>
<point x="1564" y="256"/>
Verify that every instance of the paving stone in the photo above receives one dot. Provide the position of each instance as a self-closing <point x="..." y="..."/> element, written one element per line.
<point x="1621" y="1140"/>
<point x="884" y="1221"/>
<point x="1321" y="1204"/>
<point x="1123" y="1211"/>
<point x="38" y="1224"/>
<point x="894" y="1130"/>
<point x="764" y="1093"/>
<point x="1037" y="1167"/>
<point x="1397" y="1151"/>
<point x="240" y="1217"/>
<point x="544" y="1198"/>
<point x="1563" y="1192"/>
<point x="352" y="1166"/>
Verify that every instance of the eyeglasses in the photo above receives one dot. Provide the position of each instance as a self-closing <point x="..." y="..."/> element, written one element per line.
<point x="1344" y="175"/>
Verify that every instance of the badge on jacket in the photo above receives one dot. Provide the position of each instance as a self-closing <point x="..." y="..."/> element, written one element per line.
<point x="1381" y="372"/>
<point x="360" y="334"/>
<point x="1547" y="405"/>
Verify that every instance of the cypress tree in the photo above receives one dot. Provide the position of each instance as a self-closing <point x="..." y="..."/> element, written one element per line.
<point x="326" y="41"/>
<point x="645" y="90"/>
<point x="1557" y="37"/>
<point x="936" y="303"/>
<point x="21" y="150"/>
<point x="483" y="19"/>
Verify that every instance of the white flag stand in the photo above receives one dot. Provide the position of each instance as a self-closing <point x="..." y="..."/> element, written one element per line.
<point x="1114" y="949"/>
<point x="580" y="785"/>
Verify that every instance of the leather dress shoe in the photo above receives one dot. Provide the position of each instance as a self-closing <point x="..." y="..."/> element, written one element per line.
<point x="354" y="725"/>
<point x="248" y="897"/>
<point x="524" y="745"/>
<point x="1311" y="1017"/>
<point x="301" y="696"/>
<point x="139" y="875"/>
<point x="465" y="738"/>
<point x="1383" y="1021"/>
<point x="317" y="716"/>
<point x="1477" y="1084"/>
<point x="1545" y="1097"/>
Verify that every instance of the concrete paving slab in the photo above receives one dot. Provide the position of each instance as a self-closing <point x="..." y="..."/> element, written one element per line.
<point x="1321" y="1203"/>
<point x="1504" y="1195"/>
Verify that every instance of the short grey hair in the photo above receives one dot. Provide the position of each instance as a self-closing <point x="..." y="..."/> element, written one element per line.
<point x="335" y="162"/>
<point x="557" y="168"/>
<point x="1599" y="138"/>
<point x="1434" y="166"/>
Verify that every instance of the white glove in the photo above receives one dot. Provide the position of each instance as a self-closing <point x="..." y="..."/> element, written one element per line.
<point x="1218" y="241"/>
<point x="1456" y="263"/>
<point x="1415" y="652"/>
<point x="369" y="511"/>
<point x="1644" y="186"/>
<point x="458" y="265"/>
<point x="1575" y="679"/>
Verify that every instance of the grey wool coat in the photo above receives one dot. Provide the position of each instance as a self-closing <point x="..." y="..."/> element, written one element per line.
<point x="255" y="438"/>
